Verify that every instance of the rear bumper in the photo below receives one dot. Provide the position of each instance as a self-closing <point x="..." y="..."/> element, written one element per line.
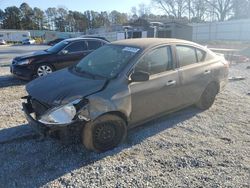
<point x="21" y="72"/>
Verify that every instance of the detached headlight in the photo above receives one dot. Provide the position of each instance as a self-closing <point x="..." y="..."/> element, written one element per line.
<point x="62" y="115"/>
<point x="24" y="62"/>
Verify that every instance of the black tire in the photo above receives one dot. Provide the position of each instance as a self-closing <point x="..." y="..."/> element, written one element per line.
<point x="105" y="133"/>
<point x="208" y="97"/>
<point x="48" y="69"/>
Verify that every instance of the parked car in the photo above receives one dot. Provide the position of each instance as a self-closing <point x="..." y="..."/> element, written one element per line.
<point x="53" y="42"/>
<point x="123" y="84"/>
<point x="61" y="55"/>
<point x="103" y="38"/>
<point x="28" y="41"/>
<point x="2" y="42"/>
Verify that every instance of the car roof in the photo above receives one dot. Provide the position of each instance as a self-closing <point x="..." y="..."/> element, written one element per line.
<point x="84" y="38"/>
<point x="144" y="43"/>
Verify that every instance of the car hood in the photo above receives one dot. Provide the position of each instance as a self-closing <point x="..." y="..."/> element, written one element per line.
<point x="31" y="55"/>
<point x="62" y="87"/>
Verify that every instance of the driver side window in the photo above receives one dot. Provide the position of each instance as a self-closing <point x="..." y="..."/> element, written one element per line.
<point x="156" y="61"/>
<point x="76" y="47"/>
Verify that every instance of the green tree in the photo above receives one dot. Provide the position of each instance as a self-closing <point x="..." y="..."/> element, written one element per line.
<point x="39" y="18"/>
<point x="27" y="16"/>
<point x="1" y="18"/>
<point x="80" y="22"/>
<point x="51" y="16"/>
<point x="89" y="18"/>
<point x="60" y="19"/>
<point x="70" y="22"/>
<point x="12" y="18"/>
<point x="118" y="18"/>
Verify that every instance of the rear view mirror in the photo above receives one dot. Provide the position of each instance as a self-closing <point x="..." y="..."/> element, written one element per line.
<point x="65" y="51"/>
<point x="139" y="76"/>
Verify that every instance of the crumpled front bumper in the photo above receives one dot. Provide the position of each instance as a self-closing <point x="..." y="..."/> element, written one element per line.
<point x="39" y="127"/>
<point x="36" y="125"/>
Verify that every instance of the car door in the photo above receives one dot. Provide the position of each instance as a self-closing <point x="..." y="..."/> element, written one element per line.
<point x="161" y="92"/>
<point x="71" y="54"/>
<point x="195" y="72"/>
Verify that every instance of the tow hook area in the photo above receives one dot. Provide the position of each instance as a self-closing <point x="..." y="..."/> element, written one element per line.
<point x="83" y="114"/>
<point x="83" y="110"/>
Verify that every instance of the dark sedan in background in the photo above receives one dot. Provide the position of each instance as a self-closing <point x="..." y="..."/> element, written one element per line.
<point x="61" y="55"/>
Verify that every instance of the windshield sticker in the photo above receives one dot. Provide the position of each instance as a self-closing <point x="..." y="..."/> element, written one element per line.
<point x="130" y="49"/>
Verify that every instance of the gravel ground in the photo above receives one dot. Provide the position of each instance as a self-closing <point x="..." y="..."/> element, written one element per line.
<point x="190" y="148"/>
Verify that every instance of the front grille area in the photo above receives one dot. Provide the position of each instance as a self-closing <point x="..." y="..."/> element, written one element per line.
<point x="39" y="107"/>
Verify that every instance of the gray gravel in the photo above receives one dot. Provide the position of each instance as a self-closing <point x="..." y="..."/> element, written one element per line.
<point x="190" y="148"/>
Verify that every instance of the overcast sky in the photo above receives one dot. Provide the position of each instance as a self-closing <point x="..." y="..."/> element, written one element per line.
<point x="79" y="5"/>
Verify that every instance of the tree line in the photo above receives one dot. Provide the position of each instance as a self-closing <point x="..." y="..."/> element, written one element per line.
<point x="205" y="10"/>
<point x="62" y="19"/>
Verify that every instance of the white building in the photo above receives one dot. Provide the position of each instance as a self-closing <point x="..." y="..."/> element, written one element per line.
<point x="14" y="36"/>
<point x="234" y="30"/>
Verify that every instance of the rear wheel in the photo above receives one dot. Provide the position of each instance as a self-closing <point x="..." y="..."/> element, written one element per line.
<point x="208" y="97"/>
<point x="105" y="133"/>
<point x="43" y="70"/>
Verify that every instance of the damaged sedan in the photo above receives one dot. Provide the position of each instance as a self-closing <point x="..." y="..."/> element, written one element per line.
<point x="122" y="85"/>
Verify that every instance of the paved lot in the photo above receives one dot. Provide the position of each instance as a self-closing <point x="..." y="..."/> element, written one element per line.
<point x="190" y="148"/>
<point x="7" y="53"/>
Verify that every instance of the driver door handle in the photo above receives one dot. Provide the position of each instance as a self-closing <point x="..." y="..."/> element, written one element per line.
<point x="171" y="83"/>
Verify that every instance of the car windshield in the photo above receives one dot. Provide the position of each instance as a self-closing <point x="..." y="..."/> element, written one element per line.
<point x="57" y="47"/>
<point x="106" y="61"/>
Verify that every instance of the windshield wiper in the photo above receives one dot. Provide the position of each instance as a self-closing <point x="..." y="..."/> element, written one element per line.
<point x="78" y="70"/>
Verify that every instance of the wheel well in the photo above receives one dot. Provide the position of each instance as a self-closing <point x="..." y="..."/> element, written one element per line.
<point x="119" y="114"/>
<point x="39" y="64"/>
<point x="216" y="85"/>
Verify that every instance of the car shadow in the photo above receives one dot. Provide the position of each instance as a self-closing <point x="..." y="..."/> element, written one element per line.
<point x="9" y="80"/>
<point x="32" y="162"/>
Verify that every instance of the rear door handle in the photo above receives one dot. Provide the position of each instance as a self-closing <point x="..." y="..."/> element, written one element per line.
<point x="207" y="72"/>
<point x="171" y="83"/>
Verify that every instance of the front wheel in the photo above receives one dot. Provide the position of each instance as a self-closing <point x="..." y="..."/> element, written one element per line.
<point x="43" y="70"/>
<point x="208" y="97"/>
<point x="105" y="133"/>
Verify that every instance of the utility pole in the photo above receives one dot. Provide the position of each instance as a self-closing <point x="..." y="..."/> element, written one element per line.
<point x="189" y="10"/>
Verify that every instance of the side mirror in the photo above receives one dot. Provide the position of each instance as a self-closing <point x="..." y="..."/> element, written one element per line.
<point x="139" y="76"/>
<point x="64" y="51"/>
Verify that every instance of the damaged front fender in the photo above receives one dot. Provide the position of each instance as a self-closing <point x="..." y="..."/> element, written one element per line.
<point x="99" y="105"/>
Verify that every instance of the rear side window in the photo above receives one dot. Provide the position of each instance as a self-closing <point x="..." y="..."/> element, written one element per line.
<point x="200" y="55"/>
<point x="93" y="45"/>
<point x="76" y="47"/>
<point x="156" y="61"/>
<point x="186" y="55"/>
